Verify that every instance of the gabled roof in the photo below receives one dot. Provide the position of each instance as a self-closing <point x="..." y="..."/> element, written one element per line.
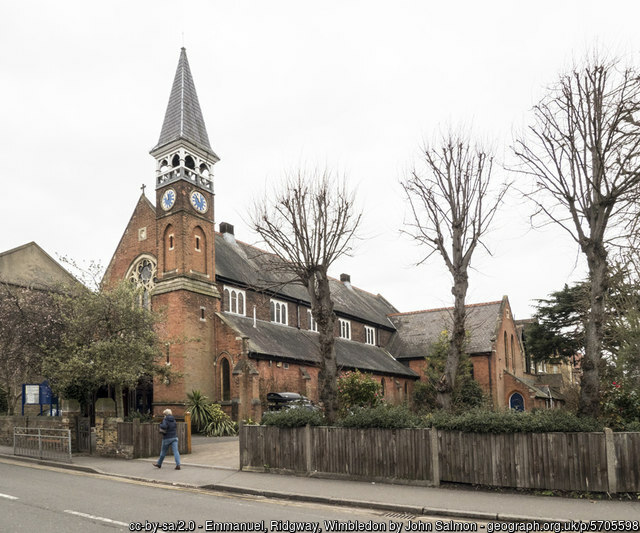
<point x="183" y="118"/>
<point x="417" y="331"/>
<point x="30" y="266"/>
<point x="287" y="343"/>
<point x="246" y="265"/>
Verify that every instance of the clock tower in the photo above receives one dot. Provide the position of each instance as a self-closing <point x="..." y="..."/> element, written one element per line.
<point x="185" y="293"/>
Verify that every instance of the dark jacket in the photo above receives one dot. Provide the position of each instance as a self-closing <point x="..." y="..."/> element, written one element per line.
<point x="169" y="423"/>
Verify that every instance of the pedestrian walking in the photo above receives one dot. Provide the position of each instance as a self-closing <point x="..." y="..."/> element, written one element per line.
<point x="168" y="427"/>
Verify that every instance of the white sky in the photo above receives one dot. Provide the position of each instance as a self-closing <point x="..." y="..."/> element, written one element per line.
<point x="353" y="85"/>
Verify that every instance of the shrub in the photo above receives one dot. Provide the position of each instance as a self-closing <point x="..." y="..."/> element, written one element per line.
<point x="199" y="407"/>
<point x="356" y="389"/>
<point x="293" y="418"/>
<point x="382" y="416"/>
<point x="220" y="423"/>
<point x="511" y="421"/>
<point x="136" y="415"/>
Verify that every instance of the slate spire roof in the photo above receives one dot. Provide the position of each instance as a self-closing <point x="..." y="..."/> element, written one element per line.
<point x="183" y="118"/>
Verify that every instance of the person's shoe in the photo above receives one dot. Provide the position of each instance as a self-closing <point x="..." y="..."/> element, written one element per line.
<point x="157" y="465"/>
<point x="177" y="467"/>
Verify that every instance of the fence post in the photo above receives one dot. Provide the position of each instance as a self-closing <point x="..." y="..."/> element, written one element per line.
<point x="611" y="460"/>
<point x="435" y="458"/>
<point x="308" y="450"/>
<point x="242" y="437"/>
<point x="39" y="443"/>
<point x="187" y="421"/>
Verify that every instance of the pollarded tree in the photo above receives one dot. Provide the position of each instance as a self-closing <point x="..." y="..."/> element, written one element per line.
<point x="583" y="153"/>
<point x="309" y="223"/>
<point x="452" y="208"/>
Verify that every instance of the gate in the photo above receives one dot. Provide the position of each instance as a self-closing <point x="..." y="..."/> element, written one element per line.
<point x="83" y="434"/>
<point x="42" y="443"/>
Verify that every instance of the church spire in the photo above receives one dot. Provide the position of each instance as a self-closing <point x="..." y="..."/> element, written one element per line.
<point x="183" y="140"/>
<point x="183" y="119"/>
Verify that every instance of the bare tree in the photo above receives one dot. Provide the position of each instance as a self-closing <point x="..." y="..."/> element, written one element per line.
<point x="452" y="208"/>
<point x="582" y="152"/>
<point x="309" y="223"/>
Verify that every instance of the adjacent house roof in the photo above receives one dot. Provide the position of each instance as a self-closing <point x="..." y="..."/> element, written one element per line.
<point x="246" y="265"/>
<point x="301" y="346"/>
<point x="183" y="118"/>
<point x="30" y="266"/>
<point x="417" y="331"/>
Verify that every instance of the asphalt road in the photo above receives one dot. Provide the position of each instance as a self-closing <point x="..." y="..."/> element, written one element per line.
<point x="38" y="498"/>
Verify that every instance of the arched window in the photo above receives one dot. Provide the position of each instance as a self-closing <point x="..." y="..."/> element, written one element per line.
<point x="516" y="402"/>
<point x="200" y="247"/>
<point x="175" y="161"/>
<point x="169" y="255"/>
<point x="506" y="351"/>
<point x="189" y="162"/>
<point x="513" y="356"/>
<point x="225" y="380"/>
<point x="143" y="274"/>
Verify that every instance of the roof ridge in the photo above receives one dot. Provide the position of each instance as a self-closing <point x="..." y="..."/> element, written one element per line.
<point x="276" y="255"/>
<point x="480" y="304"/>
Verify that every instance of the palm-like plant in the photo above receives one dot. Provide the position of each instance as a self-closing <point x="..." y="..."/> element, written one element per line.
<point x="200" y="408"/>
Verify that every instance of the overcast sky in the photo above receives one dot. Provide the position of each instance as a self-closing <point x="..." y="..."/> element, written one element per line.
<point x="354" y="86"/>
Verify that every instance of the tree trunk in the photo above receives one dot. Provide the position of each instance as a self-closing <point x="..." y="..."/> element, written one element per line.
<point x="457" y="343"/>
<point x="589" y="404"/>
<point x="119" y="401"/>
<point x="322" y="309"/>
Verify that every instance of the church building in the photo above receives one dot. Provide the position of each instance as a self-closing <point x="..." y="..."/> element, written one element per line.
<point x="228" y="332"/>
<point x="234" y="330"/>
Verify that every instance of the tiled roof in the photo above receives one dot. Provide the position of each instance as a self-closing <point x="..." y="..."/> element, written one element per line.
<point x="417" y="331"/>
<point x="183" y="118"/>
<point x="249" y="266"/>
<point x="301" y="346"/>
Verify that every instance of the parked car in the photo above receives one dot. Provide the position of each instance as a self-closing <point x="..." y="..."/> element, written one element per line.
<point x="288" y="400"/>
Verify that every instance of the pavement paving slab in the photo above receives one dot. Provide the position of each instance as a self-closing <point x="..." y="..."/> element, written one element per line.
<point x="214" y="465"/>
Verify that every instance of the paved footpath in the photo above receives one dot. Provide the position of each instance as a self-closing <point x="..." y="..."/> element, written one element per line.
<point x="214" y="465"/>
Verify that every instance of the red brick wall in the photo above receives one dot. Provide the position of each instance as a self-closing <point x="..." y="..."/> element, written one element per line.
<point x="130" y="245"/>
<point x="191" y="345"/>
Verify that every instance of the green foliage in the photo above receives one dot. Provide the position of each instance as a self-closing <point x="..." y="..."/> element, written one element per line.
<point x="293" y="418"/>
<point x="208" y="417"/>
<point x="220" y="423"/>
<point x="381" y="416"/>
<point x="558" y="331"/>
<point x="29" y="318"/>
<point x="467" y="393"/>
<point x="142" y="417"/>
<point x="108" y="340"/>
<point x="198" y="405"/>
<point x="620" y="404"/>
<point x="511" y="421"/>
<point x="356" y="389"/>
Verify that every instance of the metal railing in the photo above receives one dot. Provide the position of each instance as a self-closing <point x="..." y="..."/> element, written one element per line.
<point x="42" y="443"/>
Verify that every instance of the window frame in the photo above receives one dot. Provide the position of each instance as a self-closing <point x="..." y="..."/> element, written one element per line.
<point x="370" y="335"/>
<point x="232" y="295"/>
<point x="345" y="327"/>
<point x="278" y="309"/>
<point x="313" y="325"/>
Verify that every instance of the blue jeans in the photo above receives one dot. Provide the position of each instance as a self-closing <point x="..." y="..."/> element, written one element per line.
<point x="173" y="442"/>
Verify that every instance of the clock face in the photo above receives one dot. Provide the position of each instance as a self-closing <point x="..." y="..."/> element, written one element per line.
<point x="198" y="201"/>
<point x="168" y="199"/>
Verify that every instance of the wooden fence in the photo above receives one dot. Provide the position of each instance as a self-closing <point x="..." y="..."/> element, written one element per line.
<point x="145" y="439"/>
<point x="598" y="462"/>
